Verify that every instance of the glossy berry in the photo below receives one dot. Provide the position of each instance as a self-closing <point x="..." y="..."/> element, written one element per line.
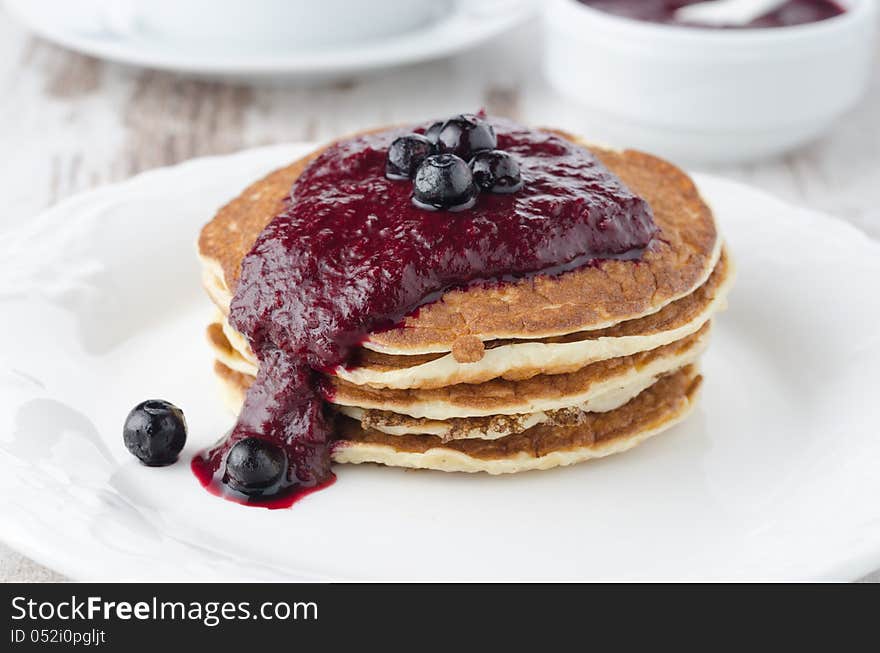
<point x="254" y="466"/>
<point x="155" y="432"/>
<point x="405" y="154"/>
<point x="465" y="135"/>
<point x="444" y="181"/>
<point x="496" y="171"/>
<point x="433" y="131"/>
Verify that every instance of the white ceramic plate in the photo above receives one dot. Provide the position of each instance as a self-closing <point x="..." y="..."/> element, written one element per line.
<point x="72" y="25"/>
<point x="774" y="476"/>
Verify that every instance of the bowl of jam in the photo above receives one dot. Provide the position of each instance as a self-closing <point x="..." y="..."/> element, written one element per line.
<point x="718" y="93"/>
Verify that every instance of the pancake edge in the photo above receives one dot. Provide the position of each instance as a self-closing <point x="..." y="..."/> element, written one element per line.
<point x="445" y="409"/>
<point x="495" y="364"/>
<point x="447" y="460"/>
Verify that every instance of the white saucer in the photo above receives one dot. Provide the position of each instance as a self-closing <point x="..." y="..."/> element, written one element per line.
<point x="773" y="477"/>
<point x="468" y="24"/>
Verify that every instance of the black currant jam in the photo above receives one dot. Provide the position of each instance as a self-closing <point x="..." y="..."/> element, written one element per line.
<point x="285" y="497"/>
<point x="351" y="254"/>
<point x="792" y="12"/>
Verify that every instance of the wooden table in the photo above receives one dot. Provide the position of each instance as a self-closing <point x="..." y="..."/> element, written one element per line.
<point x="70" y="122"/>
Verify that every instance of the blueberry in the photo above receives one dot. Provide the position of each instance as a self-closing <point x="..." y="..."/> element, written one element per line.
<point x="432" y="131"/>
<point x="254" y="466"/>
<point x="444" y="181"/>
<point x="405" y="155"/>
<point x="155" y="432"/>
<point x="466" y="134"/>
<point x="496" y="171"/>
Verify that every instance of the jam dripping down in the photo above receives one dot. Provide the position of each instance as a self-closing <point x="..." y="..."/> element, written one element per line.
<point x="350" y="255"/>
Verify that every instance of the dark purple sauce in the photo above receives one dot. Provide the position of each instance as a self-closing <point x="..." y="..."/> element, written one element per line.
<point x="793" y="12"/>
<point x="351" y="255"/>
<point x="203" y="468"/>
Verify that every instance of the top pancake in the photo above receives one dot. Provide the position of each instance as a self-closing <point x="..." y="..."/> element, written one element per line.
<point x="679" y="259"/>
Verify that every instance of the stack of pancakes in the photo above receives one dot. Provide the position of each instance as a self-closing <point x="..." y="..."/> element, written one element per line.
<point x="507" y="377"/>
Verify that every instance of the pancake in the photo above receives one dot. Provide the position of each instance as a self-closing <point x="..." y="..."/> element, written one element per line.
<point x="501" y="397"/>
<point x="654" y="410"/>
<point x="493" y="426"/>
<point x="539" y="393"/>
<point x="489" y="427"/>
<point x="679" y="260"/>
<point x="512" y="360"/>
<point x="228" y="354"/>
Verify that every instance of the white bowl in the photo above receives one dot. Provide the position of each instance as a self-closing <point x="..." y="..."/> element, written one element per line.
<point x="708" y="95"/>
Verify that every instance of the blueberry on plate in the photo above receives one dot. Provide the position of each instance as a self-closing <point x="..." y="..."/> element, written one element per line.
<point x="255" y="466"/>
<point x="444" y="181"/>
<point x="466" y="134"/>
<point x="405" y="154"/>
<point x="155" y="432"/>
<point x="496" y="171"/>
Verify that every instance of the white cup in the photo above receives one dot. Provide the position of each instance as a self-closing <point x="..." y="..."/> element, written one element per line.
<point x="270" y="24"/>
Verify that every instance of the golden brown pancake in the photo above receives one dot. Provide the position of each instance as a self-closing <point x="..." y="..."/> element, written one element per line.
<point x="504" y="397"/>
<point x="541" y="440"/>
<point x="491" y="427"/>
<point x="542" y="392"/>
<point x="677" y="261"/>
<point x="654" y="410"/>
<point x="514" y="360"/>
